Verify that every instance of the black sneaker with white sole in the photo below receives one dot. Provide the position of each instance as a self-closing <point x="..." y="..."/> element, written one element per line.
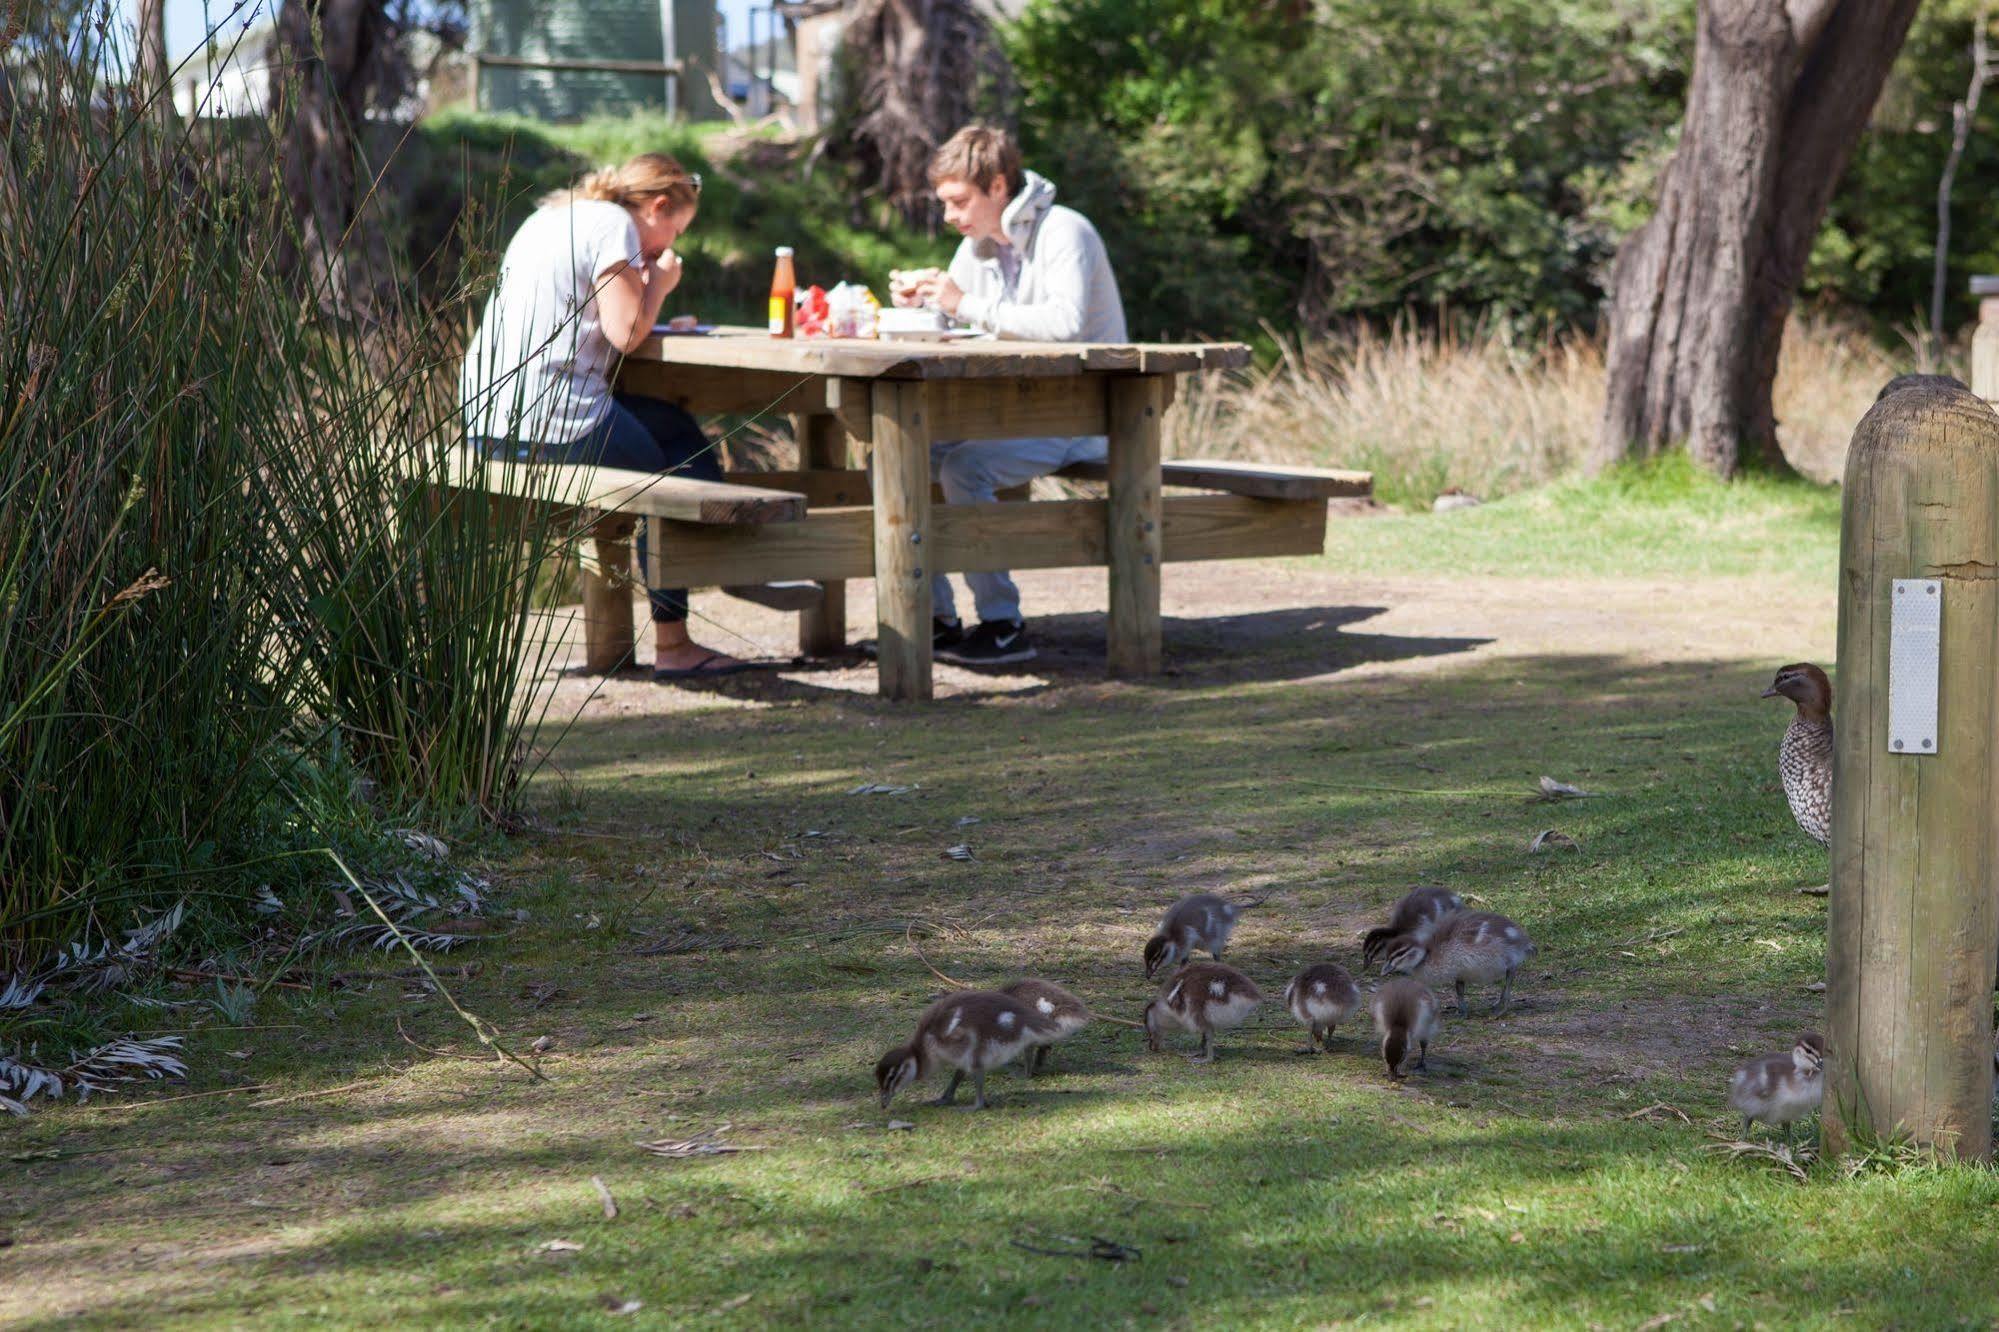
<point x="993" y="643"/>
<point x="943" y="634"/>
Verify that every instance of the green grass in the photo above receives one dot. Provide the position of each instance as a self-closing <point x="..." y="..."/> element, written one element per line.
<point x="1518" y="1185"/>
<point x="1665" y="519"/>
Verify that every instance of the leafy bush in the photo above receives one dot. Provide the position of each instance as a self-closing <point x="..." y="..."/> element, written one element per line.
<point x="1257" y="160"/>
<point x="221" y="574"/>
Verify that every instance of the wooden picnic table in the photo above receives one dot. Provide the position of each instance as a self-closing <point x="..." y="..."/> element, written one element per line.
<point x="894" y="399"/>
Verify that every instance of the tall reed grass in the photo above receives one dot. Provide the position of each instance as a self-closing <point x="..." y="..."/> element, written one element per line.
<point x="1425" y="409"/>
<point x="222" y="576"/>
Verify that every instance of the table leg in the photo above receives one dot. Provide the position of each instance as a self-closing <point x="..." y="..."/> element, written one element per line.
<point x="1137" y="405"/>
<point x="605" y="572"/>
<point x="901" y="477"/>
<point x="822" y="445"/>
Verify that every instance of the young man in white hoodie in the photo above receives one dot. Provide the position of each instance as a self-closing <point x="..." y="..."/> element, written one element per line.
<point x="1030" y="269"/>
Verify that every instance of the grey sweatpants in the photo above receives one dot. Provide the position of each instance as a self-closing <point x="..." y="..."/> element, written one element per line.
<point x="971" y="471"/>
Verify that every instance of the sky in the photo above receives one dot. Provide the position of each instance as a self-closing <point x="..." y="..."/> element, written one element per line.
<point x="189" y="21"/>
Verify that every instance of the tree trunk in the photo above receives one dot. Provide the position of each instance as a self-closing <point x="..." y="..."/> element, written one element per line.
<point x="927" y="68"/>
<point x="330" y="55"/>
<point x="1779" y="97"/>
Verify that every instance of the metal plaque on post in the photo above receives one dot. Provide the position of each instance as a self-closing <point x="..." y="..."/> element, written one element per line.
<point x="1914" y="640"/>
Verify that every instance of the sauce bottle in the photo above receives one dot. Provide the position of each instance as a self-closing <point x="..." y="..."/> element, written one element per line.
<point x="783" y="293"/>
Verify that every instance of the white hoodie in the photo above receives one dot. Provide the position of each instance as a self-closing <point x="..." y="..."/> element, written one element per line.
<point x="1064" y="290"/>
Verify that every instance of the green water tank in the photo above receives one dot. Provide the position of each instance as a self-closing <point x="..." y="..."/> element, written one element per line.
<point x="593" y="30"/>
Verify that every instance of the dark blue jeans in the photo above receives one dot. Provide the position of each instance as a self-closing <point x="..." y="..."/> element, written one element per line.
<point x="643" y="435"/>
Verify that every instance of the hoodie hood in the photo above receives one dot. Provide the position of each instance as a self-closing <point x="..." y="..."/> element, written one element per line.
<point x="1023" y="213"/>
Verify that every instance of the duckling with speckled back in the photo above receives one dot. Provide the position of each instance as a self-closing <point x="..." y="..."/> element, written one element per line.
<point x="1475" y="946"/>
<point x="1067" y="1014"/>
<point x="1199" y="921"/>
<point x="972" y="1031"/>
<point x="1321" y="997"/>
<point x="1780" y="1089"/>
<point x="1203" y="997"/>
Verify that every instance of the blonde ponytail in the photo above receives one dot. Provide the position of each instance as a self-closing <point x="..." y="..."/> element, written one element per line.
<point x="647" y="176"/>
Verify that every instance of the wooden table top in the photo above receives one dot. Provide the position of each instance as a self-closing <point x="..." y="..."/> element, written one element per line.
<point x="962" y="358"/>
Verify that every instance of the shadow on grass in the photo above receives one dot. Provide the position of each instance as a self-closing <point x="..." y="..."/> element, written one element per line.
<point x="1284" y="1188"/>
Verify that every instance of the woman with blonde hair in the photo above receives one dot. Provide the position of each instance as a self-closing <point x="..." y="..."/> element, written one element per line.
<point x="581" y="285"/>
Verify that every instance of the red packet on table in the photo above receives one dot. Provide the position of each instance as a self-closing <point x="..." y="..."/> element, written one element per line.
<point x="814" y="313"/>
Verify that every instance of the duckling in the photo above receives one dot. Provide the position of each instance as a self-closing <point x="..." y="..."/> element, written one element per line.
<point x="1804" y="759"/>
<point x="1055" y="1005"/>
<point x="1202" y="996"/>
<point x="1405" y="1013"/>
<point x="972" y="1031"/>
<point x="1418" y="913"/>
<point x="1321" y="997"/>
<point x="1479" y="946"/>
<point x="1202" y="921"/>
<point x="1780" y="1089"/>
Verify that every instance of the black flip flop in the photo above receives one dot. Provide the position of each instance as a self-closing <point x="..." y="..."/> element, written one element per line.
<point x="700" y="670"/>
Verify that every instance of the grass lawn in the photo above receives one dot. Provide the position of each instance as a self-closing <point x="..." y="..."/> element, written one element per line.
<point x="717" y="933"/>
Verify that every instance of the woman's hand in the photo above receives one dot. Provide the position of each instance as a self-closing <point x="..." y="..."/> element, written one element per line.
<point x="664" y="275"/>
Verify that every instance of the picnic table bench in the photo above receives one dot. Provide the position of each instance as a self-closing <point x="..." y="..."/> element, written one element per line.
<point x="828" y="521"/>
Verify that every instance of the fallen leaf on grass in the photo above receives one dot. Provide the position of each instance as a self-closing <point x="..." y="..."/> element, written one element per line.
<point x="900" y="1126"/>
<point x="708" y="1142"/>
<point x="1658" y="1107"/>
<point x="604" y="1194"/>
<point x="881" y="788"/>
<point x="619" y="1306"/>
<point x="736" y="1303"/>
<point x="1816" y="987"/>
<point x="1553" y="791"/>
<point x="968" y="820"/>
<point x="1550" y="840"/>
<point x="1681" y="1248"/>
<point x="1652" y="1324"/>
<point x="542" y="1044"/>
<point x="959" y="852"/>
<point x="561" y="1246"/>
<point x="1816" y="890"/>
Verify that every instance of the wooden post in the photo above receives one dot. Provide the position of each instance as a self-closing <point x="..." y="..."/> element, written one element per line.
<point x="1985" y="341"/>
<point x="822" y="446"/>
<point x="1913" y="921"/>
<point x="901" y="475"/>
<point x="605" y="573"/>
<point x="1137" y="406"/>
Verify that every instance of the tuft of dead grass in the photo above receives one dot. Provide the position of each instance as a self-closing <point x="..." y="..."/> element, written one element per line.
<point x="1471" y="406"/>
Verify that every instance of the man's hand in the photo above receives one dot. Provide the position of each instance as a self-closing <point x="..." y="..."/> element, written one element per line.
<point x="906" y="286"/>
<point x="943" y="293"/>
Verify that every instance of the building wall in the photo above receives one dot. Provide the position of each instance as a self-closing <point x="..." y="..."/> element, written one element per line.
<point x="582" y="29"/>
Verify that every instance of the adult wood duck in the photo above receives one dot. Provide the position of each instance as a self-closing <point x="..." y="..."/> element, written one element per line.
<point x="1804" y="760"/>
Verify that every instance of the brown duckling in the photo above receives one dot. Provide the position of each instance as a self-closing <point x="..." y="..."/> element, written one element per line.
<point x="1203" y="997"/>
<point x="1321" y="997"/>
<point x="1200" y="921"/>
<point x="1419" y="913"/>
<point x="1780" y="1089"/>
<point x="1477" y="946"/>
<point x="1056" y="1005"/>
<point x="1405" y="1014"/>
<point x="972" y="1031"/>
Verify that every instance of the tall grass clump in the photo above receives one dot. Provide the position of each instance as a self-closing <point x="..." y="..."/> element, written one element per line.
<point x="1427" y="408"/>
<point x="225" y="590"/>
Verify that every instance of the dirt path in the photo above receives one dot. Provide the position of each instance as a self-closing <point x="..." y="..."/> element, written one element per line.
<point x="1224" y="619"/>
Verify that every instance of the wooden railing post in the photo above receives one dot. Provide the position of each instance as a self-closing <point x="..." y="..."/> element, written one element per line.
<point x="1985" y="341"/>
<point x="1913" y="921"/>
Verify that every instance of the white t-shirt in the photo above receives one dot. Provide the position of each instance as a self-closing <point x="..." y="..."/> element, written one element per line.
<point x="539" y="369"/>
